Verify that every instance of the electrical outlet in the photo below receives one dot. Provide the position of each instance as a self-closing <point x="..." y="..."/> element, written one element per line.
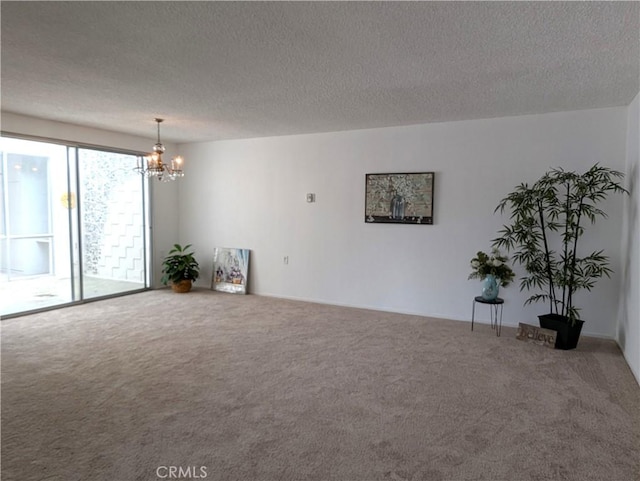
<point x="285" y="260"/>
<point x="311" y="197"/>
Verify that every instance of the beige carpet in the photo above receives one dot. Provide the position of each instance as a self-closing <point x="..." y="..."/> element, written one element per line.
<point x="229" y="387"/>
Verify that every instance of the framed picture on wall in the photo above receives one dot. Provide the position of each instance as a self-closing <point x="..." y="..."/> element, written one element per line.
<point x="230" y="270"/>
<point x="402" y="198"/>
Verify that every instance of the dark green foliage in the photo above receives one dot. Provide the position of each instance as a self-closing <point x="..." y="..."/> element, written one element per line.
<point x="551" y="213"/>
<point x="495" y="264"/>
<point x="179" y="265"/>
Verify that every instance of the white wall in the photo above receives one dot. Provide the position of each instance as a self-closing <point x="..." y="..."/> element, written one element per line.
<point x="628" y="334"/>
<point x="164" y="208"/>
<point x="251" y="193"/>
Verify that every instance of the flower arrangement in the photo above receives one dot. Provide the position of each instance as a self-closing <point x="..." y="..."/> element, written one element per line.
<point x="495" y="264"/>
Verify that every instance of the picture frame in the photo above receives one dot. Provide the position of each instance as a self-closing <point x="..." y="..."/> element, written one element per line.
<point x="230" y="270"/>
<point x="399" y="198"/>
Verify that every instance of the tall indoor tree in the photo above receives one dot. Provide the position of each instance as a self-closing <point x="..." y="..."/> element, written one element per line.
<point x="547" y="221"/>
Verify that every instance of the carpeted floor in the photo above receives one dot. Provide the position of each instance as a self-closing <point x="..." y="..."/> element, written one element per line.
<point x="222" y="387"/>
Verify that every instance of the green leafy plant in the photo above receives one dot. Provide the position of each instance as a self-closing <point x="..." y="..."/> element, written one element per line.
<point x="547" y="221"/>
<point x="179" y="265"/>
<point x="495" y="264"/>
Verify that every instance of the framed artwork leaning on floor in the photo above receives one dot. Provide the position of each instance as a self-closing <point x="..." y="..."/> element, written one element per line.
<point x="230" y="270"/>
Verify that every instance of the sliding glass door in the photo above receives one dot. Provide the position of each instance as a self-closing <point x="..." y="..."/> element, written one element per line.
<point x="112" y="223"/>
<point x="35" y="268"/>
<point x="73" y="225"/>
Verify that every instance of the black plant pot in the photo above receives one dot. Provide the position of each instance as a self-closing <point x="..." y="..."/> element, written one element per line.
<point x="568" y="335"/>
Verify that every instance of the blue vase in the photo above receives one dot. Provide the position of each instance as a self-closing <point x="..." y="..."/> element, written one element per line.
<point x="490" y="287"/>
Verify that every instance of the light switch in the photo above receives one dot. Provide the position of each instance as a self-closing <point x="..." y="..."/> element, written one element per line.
<point x="311" y="197"/>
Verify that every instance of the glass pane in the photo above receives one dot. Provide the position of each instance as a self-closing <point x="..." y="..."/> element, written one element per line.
<point x="31" y="256"/>
<point x="28" y="187"/>
<point x="3" y="220"/>
<point x="111" y="223"/>
<point x="34" y="240"/>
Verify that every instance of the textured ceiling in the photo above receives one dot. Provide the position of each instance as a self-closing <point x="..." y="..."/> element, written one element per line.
<point x="224" y="70"/>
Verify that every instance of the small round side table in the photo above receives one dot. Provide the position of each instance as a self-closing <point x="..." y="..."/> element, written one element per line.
<point x="493" y="307"/>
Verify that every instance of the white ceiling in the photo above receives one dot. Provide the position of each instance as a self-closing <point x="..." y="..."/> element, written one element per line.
<point x="224" y="70"/>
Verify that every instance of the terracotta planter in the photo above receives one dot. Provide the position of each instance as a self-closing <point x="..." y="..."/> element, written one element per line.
<point x="182" y="286"/>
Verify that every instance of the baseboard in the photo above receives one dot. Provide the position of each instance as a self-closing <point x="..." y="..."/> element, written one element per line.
<point x="410" y="313"/>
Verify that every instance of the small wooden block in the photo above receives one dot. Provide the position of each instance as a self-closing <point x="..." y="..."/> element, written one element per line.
<point x="537" y="335"/>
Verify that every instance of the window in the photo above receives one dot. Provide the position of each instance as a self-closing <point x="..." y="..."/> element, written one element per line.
<point x="73" y="225"/>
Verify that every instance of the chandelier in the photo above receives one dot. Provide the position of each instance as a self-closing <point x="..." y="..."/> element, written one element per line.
<point x="151" y="165"/>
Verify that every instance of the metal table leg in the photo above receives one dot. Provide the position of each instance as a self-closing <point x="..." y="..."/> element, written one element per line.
<point x="473" y="313"/>
<point x="494" y="318"/>
<point x="495" y="321"/>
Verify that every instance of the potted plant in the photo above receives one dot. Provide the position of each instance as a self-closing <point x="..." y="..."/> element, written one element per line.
<point x="494" y="272"/>
<point x="547" y="220"/>
<point x="180" y="268"/>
